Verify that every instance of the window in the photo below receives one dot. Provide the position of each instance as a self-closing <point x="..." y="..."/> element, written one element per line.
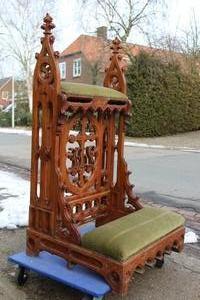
<point x="62" y="66"/>
<point x="77" y="67"/>
<point x="4" y="95"/>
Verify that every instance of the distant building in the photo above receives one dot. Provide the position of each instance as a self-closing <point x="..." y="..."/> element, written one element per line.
<point x="85" y="59"/>
<point x="5" y="92"/>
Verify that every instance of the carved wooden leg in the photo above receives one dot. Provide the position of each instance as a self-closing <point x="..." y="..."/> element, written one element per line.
<point x="32" y="245"/>
<point x="119" y="280"/>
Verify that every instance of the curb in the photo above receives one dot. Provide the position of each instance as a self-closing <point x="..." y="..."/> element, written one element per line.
<point x="126" y="143"/>
<point x="161" y="147"/>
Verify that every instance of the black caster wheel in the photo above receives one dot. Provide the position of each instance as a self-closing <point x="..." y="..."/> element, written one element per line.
<point x="159" y="263"/>
<point x="22" y="276"/>
<point x="88" y="297"/>
<point x="70" y="265"/>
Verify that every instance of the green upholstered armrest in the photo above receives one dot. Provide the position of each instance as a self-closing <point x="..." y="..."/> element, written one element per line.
<point x="124" y="237"/>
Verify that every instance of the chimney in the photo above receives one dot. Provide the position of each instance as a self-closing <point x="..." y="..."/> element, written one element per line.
<point x="102" y="32"/>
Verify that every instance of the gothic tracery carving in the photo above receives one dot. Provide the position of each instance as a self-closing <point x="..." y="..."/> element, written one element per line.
<point x="82" y="149"/>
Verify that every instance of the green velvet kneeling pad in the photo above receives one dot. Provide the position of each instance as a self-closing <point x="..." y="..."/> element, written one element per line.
<point x="124" y="237"/>
<point x="90" y="90"/>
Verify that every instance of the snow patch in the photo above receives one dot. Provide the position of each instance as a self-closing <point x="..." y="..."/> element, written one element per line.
<point x="191" y="237"/>
<point x="14" y="200"/>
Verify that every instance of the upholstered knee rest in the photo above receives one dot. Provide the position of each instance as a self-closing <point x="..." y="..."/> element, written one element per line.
<point x="124" y="237"/>
<point x="90" y="90"/>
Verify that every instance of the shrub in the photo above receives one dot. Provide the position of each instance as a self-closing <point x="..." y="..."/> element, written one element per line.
<point x="22" y="115"/>
<point x="23" y="118"/>
<point x="5" y="119"/>
<point x="164" y="99"/>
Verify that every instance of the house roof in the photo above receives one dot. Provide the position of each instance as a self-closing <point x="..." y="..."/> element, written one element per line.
<point x="96" y="49"/>
<point x="3" y="81"/>
<point x="92" y="47"/>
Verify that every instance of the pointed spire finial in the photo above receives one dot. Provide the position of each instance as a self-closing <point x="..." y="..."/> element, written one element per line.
<point x="116" y="46"/>
<point x="114" y="77"/>
<point x="48" y="24"/>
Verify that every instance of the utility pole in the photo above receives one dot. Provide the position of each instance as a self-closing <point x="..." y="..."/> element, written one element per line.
<point x="13" y="102"/>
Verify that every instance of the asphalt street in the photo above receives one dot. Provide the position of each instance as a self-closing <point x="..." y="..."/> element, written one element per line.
<point x="163" y="176"/>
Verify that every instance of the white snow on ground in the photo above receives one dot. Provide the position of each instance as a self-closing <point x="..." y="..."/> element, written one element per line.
<point x="14" y="200"/>
<point x="191" y="237"/>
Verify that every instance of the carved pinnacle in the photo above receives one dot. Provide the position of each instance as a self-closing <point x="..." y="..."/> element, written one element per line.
<point x="48" y="24"/>
<point x="116" y="45"/>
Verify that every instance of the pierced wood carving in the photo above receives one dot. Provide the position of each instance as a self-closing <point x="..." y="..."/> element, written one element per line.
<point x="73" y="181"/>
<point x="82" y="149"/>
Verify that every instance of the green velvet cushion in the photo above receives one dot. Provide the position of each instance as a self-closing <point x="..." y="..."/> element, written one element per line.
<point x="125" y="236"/>
<point x="90" y="90"/>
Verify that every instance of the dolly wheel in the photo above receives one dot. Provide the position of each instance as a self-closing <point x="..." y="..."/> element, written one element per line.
<point x="159" y="263"/>
<point x="70" y="265"/>
<point x="22" y="276"/>
<point x="88" y="297"/>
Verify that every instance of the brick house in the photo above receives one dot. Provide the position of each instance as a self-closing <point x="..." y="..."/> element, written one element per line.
<point x="83" y="60"/>
<point x="5" y="92"/>
<point x="86" y="58"/>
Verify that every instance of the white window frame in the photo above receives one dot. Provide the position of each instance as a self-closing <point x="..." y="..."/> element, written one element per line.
<point x="63" y="70"/>
<point x="4" y="95"/>
<point x="77" y="67"/>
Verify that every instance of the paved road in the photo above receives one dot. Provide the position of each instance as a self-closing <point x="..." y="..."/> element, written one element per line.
<point x="15" y="149"/>
<point x="170" y="177"/>
<point x="164" y="176"/>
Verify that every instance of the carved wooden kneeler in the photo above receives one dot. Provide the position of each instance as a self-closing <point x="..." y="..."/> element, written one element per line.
<point x="77" y="132"/>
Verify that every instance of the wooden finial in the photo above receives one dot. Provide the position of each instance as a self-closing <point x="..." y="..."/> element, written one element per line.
<point x="114" y="77"/>
<point x="48" y="24"/>
<point x="116" y="46"/>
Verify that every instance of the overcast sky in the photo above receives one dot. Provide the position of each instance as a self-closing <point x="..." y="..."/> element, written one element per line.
<point x="177" y="19"/>
<point x="69" y="27"/>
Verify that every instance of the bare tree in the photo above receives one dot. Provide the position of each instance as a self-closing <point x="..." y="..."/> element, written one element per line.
<point x="191" y="38"/>
<point x="20" y="21"/>
<point x="182" y="48"/>
<point x="121" y="16"/>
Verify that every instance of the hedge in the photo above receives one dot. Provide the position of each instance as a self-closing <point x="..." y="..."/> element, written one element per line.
<point x="22" y="118"/>
<point x="5" y="119"/>
<point x="165" y="100"/>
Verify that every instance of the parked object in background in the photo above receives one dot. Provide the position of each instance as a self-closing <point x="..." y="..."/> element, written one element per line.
<point x="74" y="161"/>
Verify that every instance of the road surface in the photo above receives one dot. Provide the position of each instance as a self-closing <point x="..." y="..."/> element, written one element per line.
<point x="164" y="176"/>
